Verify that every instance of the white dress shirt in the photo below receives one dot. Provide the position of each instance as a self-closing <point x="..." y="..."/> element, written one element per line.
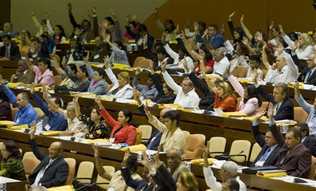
<point x="222" y="66"/>
<point x="126" y="92"/>
<point x="186" y="100"/>
<point x="211" y="182"/>
<point x="177" y="63"/>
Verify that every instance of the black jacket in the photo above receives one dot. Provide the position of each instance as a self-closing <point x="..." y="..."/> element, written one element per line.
<point x="162" y="181"/>
<point x="311" y="79"/>
<point x="310" y="143"/>
<point x="55" y="175"/>
<point x="14" y="52"/>
<point x="286" y="110"/>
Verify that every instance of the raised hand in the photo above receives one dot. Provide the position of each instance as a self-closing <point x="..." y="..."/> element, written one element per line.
<point x="126" y="155"/>
<point x="296" y="89"/>
<point x="95" y="150"/>
<point x="147" y="112"/>
<point x="163" y="65"/>
<point x="75" y="99"/>
<point x="69" y="5"/>
<point x="242" y="18"/>
<point x="99" y="103"/>
<point x="231" y="16"/>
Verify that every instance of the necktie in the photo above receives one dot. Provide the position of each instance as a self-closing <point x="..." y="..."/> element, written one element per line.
<point x="307" y="76"/>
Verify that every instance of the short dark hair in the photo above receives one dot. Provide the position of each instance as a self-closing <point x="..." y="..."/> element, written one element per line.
<point x="110" y="20"/>
<point x="284" y="88"/>
<point x="12" y="148"/>
<point x="127" y="114"/>
<point x="46" y="62"/>
<point x="296" y="133"/>
<point x="101" y="72"/>
<point x="132" y="163"/>
<point x="172" y="115"/>
<point x="84" y="70"/>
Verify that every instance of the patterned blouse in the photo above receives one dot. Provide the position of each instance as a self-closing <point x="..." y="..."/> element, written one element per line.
<point x="95" y="131"/>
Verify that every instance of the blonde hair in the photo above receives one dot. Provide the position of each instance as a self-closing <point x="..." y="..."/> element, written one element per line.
<point x="125" y="76"/>
<point x="225" y="86"/>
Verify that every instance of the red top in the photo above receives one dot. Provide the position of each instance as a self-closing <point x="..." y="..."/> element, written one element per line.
<point x="208" y="66"/>
<point x="126" y="134"/>
<point x="228" y="104"/>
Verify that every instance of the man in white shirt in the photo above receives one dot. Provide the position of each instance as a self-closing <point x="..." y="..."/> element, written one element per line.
<point x="228" y="172"/>
<point x="222" y="63"/>
<point x="185" y="94"/>
<point x="283" y="71"/>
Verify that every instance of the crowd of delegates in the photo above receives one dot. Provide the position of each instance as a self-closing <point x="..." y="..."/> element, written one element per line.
<point x="211" y="67"/>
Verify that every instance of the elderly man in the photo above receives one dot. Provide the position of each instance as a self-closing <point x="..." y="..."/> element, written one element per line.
<point x="309" y="74"/>
<point x="185" y="94"/>
<point x="26" y="113"/>
<point x="222" y="63"/>
<point x="53" y="169"/>
<point x="228" y="172"/>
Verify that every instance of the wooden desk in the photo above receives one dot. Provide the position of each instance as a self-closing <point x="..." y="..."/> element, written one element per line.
<point x="194" y="123"/>
<point x="9" y="184"/>
<point x="84" y="152"/>
<point x="7" y="68"/>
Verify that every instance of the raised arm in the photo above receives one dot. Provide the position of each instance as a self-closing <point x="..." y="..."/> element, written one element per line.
<point x="112" y="76"/>
<point x="245" y="28"/>
<point x="231" y="26"/>
<point x="99" y="165"/>
<point x="172" y="54"/>
<point x="154" y="121"/>
<point x="9" y="93"/>
<point x="210" y="179"/>
<point x="41" y="103"/>
<point x="301" y="101"/>
<point x="168" y="79"/>
<point x="264" y="58"/>
<point x="105" y="114"/>
<point x="239" y="89"/>
<point x="36" y="22"/>
<point x="71" y="16"/>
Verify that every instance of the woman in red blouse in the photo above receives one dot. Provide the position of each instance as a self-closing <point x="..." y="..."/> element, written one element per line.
<point x="224" y="98"/>
<point x="122" y="131"/>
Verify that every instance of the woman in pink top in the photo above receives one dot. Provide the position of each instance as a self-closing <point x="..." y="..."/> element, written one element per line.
<point x="250" y="101"/>
<point x="43" y="74"/>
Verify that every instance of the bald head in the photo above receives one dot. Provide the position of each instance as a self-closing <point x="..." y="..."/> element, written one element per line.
<point x="55" y="149"/>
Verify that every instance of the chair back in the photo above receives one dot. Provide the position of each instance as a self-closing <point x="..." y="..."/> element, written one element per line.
<point x="300" y="115"/>
<point x="102" y="182"/>
<point x="216" y="145"/>
<point x="146" y="131"/>
<point x="85" y="172"/>
<point x="71" y="169"/>
<point x="30" y="162"/>
<point x="242" y="148"/>
<point x="254" y="152"/>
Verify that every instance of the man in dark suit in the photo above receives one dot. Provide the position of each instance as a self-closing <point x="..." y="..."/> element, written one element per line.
<point x="297" y="161"/>
<point x="282" y="105"/>
<point x="309" y="74"/>
<point x="271" y="144"/>
<point x="9" y="50"/>
<point x="308" y="140"/>
<point x="53" y="169"/>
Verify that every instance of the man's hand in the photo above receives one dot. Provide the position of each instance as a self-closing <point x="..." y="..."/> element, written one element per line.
<point x="231" y="16"/>
<point x="69" y="5"/>
<point x="95" y="150"/>
<point x="242" y="18"/>
<point x="99" y="103"/>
